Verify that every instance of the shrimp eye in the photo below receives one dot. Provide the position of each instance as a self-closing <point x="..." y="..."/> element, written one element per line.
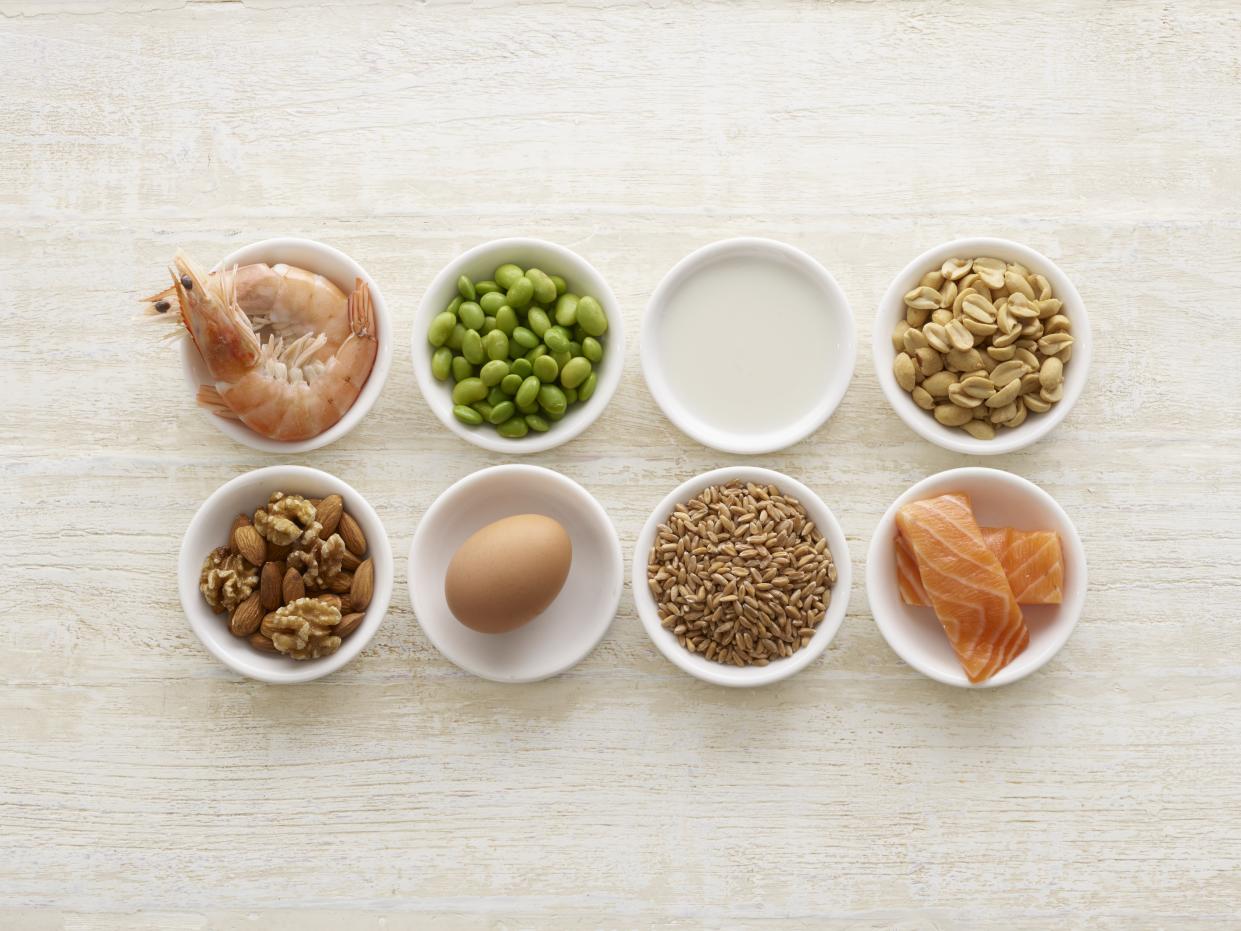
<point x="187" y="283"/>
<point x="162" y="307"/>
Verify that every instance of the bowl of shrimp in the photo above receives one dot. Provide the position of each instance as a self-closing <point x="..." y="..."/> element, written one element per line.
<point x="289" y="345"/>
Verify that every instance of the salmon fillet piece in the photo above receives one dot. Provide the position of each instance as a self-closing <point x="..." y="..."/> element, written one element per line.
<point x="1031" y="559"/>
<point x="965" y="584"/>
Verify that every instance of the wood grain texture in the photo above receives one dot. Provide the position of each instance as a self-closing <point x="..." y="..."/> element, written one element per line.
<point x="144" y="786"/>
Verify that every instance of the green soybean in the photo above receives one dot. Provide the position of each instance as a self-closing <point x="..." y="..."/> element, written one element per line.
<point x="570" y="396"/>
<point x="522" y="367"/>
<point x="579" y="334"/>
<point x="557" y="339"/>
<point x="545" y="368"/>
<point x="531" y="408"/>
<point x="575" y="372"/>
<point x="441" y="328"/>
<point x="471" y="315"/>
<point x="587" y="388"/>
<point x="506" y="319"/>
<point x="520" y="293"/>
<point x="506" y="274"/>
<point x="566" y="309"/>
<point x="472" y="347"/>
<point x="592" y="349"/>
<point x="510" y="383"/>
<point x="575" y="348"/>
<point x="465" y="288"/>
<point x="525" y="338"/>
<point x="457" y="338"/>
<point x="491" y="301"/>
<point x="468" y="391"/>
<point x="561" y="285"/>
<point x="591" y="316"/>
<point x="536" y="423"/>
<point x="489" y="324"/>
<point x="538" y="321"/>
<point x="544" y="287"/>
<point x="483" y="408"/>
<point x="528" y="393"/>
<point x="461" y="369"/>
<point x="493" y="372"/>
<point x="486" y="286"/>
<point x="502" y="412"/>
<point x="454" y="304"/>
<point x="514" y="428"/>
<point x="467" y="414"/>
<point x="441" y="363"/>
<point x="539" y="350"/>
<point x="552" y="399"/>
<point x="495" y="344"/>
<point x="562" y="358"/>
<point x="553" y="417"/>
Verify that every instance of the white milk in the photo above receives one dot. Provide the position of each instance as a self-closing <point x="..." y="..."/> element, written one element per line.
<point x="747" y="345"/>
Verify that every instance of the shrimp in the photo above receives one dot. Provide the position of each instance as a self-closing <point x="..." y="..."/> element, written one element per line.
<point x="282" y="299"/>
<point x="281" y="389"/>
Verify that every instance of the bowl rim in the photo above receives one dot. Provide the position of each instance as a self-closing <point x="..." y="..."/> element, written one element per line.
<point x="1074" y="555"/>
<point x="744" y="676"/>
<point x="836" y="304"/>
<point x="235" y="430"/>
<point x="587" y="501"/>
<point x="437" y="395"/>
<point x="189" y="565"/>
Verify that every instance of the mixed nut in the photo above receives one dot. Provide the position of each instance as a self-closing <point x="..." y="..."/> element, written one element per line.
<point x="982" y="345"/>
<point x="294" y="577"/>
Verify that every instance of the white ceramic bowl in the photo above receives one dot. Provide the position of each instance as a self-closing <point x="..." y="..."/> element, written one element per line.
<point x="892" y="309"/>
<point x="480" y="263"/>
<point x="835" y="304"/>
<point x="1000" y="499"/>
<point x="341" y="270"/>
<point x="209" y="529"/>
<point x="571" y="626"/>
<point x="743" y="676"/>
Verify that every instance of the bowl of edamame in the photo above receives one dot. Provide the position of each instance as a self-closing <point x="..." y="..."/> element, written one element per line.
<point x="518" y="345"/>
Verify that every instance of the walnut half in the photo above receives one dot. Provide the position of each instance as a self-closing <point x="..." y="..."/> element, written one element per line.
<point x="287" y="520"/>
<point x="321" y="563"/>
<point x="226" y="579"/>
<point x="304" y="629"/>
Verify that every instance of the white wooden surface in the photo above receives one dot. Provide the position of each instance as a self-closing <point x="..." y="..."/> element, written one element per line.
<point x="143" y="786"/>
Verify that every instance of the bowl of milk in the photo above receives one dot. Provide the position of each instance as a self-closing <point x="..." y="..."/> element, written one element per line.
<point x="747" y="345"/>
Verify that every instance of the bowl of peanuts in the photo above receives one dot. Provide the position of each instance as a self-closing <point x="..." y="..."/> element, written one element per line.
<point x="982" y="345"/>
<point x="285" y="574"/>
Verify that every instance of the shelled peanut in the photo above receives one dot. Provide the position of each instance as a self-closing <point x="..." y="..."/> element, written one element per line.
<point x="294" y="577"/>
<point x="983" y="344"/>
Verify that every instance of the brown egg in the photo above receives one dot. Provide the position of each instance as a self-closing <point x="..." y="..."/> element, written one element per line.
<point x="508" y="572"/>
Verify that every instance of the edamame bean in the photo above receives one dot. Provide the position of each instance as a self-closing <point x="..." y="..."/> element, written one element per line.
<point x="575" y="348"/>
<point x="579" y="334"/>
<point x="441" y="363"/>
<point x="510" y="383"/>
<point x="539" y="350"/>
<point x="553" y="417"/>
<point x="454" y="304"/>
<point x="502" y="412"/>
<point x="486" y="286"/>
<point x="495" y="344"/>
<point x="587" y="387"/>
<point x="491" y="301"/>
<point x="489" y="324"/>
<point x="556" y="339"/>
<point x="531" y="408"/>
<point x="570" y="396"/>
<point x="506" y="319"/>
<point x="471" y="315"/>
<point x="591" y="316"/>
<point x="562" y="358"/>
<point x="441" y="328"/>
<point x="561" y="285"/>
<point x="461" y="369"/>
<point x="496" y="396"/>
<point x="538" y="321"/>
<point x="467" y="415"/>
<point x="506" y="274"/>
<point x="521" y="367"/>
<point x="545" y="368"/>
<point x="528" y="393"/>
<point x="472" y="347"/>
<point x="592" y="349"/>
<point x="483" y="408"/>
<point x="566" y="309"/>
<point x="468" y="391"/>
<point x="457" y="338"/>
<point x="552" y="399"/>
<point x="493" y="372"/>
<point x="544" y="287"/>
<point x="465" y="288"/>
<point x="575" y="372"/>
<point x="514" y="428"/>
<point x="520" y="293"/>
<point x="536" y="423"/>
<point x="524" y="338"/>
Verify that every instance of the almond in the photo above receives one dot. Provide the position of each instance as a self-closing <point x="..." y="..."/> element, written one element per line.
<point x="351" y="533"/>
<point x="346" y="605"/>
<point x="279" y="552"/>
<point x="348" y="624"/>
<point x="263" y="644"/>
<point x="350" y="562"/>
<point x="340" y="583"/>
<point x="271" y="583"/>
<point x="327" y="513"/>
<point x="363" y="586"/>
<point x="241" y="520"/>
<point x="292" y="587"/>
<point x="246" y="617"/>
<point x="248" y="542"/>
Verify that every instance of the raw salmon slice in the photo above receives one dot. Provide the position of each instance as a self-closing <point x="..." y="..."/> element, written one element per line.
<point x="965" y="584"/>
<point x="1031" y="559"/>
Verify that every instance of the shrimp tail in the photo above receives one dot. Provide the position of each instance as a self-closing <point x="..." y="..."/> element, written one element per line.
<point x="210" y="398"/>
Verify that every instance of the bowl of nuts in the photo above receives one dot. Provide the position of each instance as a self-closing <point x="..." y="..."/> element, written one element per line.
<point x="982" y="345"/>
<point x="285" y="574"/>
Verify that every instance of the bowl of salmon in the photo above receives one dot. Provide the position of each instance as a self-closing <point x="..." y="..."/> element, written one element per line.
<point x="976" y="577"/>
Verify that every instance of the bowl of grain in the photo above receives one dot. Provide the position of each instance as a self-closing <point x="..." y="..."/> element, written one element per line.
<point x="741" y="576"/>
<point x="982" y="345"/>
